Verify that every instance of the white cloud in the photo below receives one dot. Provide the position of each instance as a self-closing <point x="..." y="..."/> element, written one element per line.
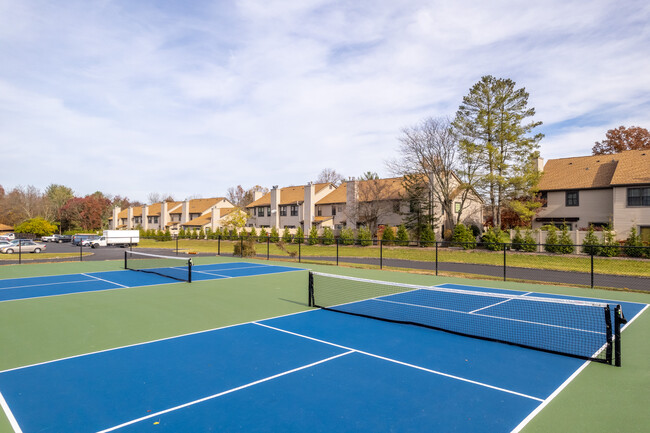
<point x="195" y="98"/>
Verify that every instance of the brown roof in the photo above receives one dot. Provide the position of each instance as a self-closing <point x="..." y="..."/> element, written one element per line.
<point x="288" y="195"/>
<point x="339" y="195"/>
<point x="5" y="227"/>
<point x="597" y="171"/>
<point x="381" y="189"/>
<point x="199" y="221"/>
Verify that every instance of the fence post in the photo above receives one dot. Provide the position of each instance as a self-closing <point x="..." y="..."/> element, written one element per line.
<point x="81" y="252"/>
<point x="241" y="245"/>
<point x="20" y="252"/>
<point x="176" y="244"/>
<point x="299" y="258"/>
<point x="268" y="247"/>
<point x="381" y="254"/>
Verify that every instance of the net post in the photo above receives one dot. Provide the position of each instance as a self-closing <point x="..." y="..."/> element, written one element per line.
<point x="381" y="254"/>
<point x="436" y="258"/>
<point x="619" y="319"/>
<point x="311" y="289"/>
<point x="125" y="260"/>
<point x="241" y="245"/>
<point x="608" y="324"/>
<point x="337" y="251"/>
<point x="189" y="270"/>
<point x="219" y="245"/>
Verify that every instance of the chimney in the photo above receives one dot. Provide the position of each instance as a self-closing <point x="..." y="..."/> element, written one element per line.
<point x="163" y="215"/>
<point x="116" y="221"/>
<point x="145" y="219"/>
<point x="309" y="205"/>
<point x="351" y="203"/>
<point x="129" y="218"/>
<point x="185" y="216"/>
<point x="275" y="206"/>
<point x="540" y="165"/>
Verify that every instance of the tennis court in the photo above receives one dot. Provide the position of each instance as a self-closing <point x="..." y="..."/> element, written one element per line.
<point x="240" y="350"/>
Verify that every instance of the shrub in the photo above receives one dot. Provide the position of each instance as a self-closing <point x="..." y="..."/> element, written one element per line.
<point x="275" y="236"/>
<point x="552" y="240"/>
<point x="263" y="235"/>
<point x="328" y="236"/>
<point x="346" y="237"/>
<point x="632" y="244"/>
<point x="36" y="226"/>
<point x="248" y="248"/>
<point x="610" y="247"/>
<point x="402" y="235"/>
<point x="253" y="233"/>
<point x="299" y="237"/>
<point x="492" y="239"/>
<point x="313" y="236"/>
<point x="518" y="240"/>
<point x="463" y="236"/>
<point x="364" y="237"/>
<point x="388" y="236"/>
<point x="591" y="244"/>
<point x="233" y="233"/>
<point x="427" y="236"/>
<point x="529" y="245"/>
<point x="286" y="236"/>
<point x="566" y="244"/>
<point x="167" y="236"/>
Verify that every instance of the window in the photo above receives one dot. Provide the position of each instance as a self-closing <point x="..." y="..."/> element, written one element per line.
<point x="319" y="211"/>
<point x="638" y="196"/>
<point x="544" y="197"/>
<point x="268" y="211"/>
<point x="396" y="207"/>
<point x="283" y="211"/>
<point x="572" y="198"/>
<point x="152" y="220"/>
<point x="333" y="210"/>
<point x="294" y="210"/>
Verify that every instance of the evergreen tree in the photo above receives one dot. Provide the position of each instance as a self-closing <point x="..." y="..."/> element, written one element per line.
<point x="591" y="244"/>
<point x="427" y="237"/>
<point x="347" y="236"/>
<point x="402" y="236"/>
<point x="565" y="241"/>
<point x="633" y="244"/>
<point x="529" y="245"/>
<point x="364" y="237"/>
<point x="299" y="237"/>
<point x="286" y="236"/>
<point x="388" y="236"/>
<point x="167" y="236"/>
<point x="552" y="241"/>
<point x="492" y="239"/>
<point x="517" y="240"/>
<point x="253" y="234"/>
<point x="328" y="236"/>
<point x="274" y="235"/>
<point x="263" y="235"/>
<point x="610" y="246"/>
<point x="313" y="236"/>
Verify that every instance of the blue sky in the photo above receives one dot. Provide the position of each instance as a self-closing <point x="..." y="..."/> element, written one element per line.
<point x="190" y="98"/>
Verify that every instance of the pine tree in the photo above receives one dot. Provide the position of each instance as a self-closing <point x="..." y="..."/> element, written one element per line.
<point x="347" y="236"/>
<point x="263" y="235"/>
<point x="591" y="244"/>
<point x="388" y="236"/>
<point x="610" y="246"/>
<point x="402" y="236"/>
<point x="565" y="241"/>
<point x="529" y="245"/>
<point x="427" y="237"/>
<point x="552" y="240"/>
<point x="328" y="236"/>
<point x="286" y="236"/>
<point x="364" y="236"/>
<point x="299" y="237"/>
<point x="517" y="240"/>
<point x="632" y="244"/>
<point x="313" y="236"/>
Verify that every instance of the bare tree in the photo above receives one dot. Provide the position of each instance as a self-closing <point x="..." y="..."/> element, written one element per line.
<point x="155" y="197"/>
<point x="374" y="199"/>
<point x="329" y="175"/>
<point x="431" y="149"/>
<point x="241" y="198"/>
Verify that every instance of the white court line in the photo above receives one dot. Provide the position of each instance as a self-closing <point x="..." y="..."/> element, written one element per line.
<point x="147" y="342"/>
<point x="10" y="415"/>
<point x="487" y="315"/>
<point x="234" y="269"/>
<point x="451" y="376"/>
<point x="106" y="281"/>
<point x="539" y="408"/>
<point x="210" y="273"/>
<point x="45" y="284"/>
<point x="201" y="400"/>
<point x="498" y="303"/>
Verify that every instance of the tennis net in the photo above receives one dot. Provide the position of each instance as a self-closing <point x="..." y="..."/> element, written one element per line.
<point x="178" y="268"/>
<point x="582" y="329"/>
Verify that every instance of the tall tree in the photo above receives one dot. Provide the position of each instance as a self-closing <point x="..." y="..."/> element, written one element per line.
<point x="622" y="138"/>
<point x="241" y="198"/>
<point x="495" y="116"/>
<point x="329" y="175"/>
<point x="57" y="196"/>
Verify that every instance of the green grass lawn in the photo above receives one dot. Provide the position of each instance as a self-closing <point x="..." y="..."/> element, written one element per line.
<point x="615" y="266"/>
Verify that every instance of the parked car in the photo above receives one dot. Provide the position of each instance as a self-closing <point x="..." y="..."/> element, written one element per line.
<point x="76" y="239"/>
<point x="7" y="236"/>
<point x="5" y="243"/>
<point x="57" y="238"/>
<point x="50" y="238"/>
<point x="24" y="246"/>
<point x="90" y="241"/>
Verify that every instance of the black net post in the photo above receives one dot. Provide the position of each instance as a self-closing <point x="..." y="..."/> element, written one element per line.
<point x="241" y="245"/>
<point x="219" y="245"/>
<point x="125" y="260"/>
<point x="311" y="289"/>
<point x="381" y="254"/>
<point x="176" y="244"/>
<point x="81" y="252"/>
<point x="268" y="247"/>
<point x="189" y="271"/>
<point x="337" y="251"/>
<point x="608" y="330"/>
<point x="436" y="258"/>
<point x="504" y="262"/>
<point x="619" y="319"/>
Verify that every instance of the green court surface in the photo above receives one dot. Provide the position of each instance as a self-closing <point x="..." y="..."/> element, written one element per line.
<point x="600" y="398"/>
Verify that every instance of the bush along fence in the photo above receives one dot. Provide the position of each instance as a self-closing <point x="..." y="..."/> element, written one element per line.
<point x="592" y="264"/>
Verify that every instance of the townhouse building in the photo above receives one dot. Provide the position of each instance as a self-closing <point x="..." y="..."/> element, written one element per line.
<point x="189" y="214"/>
<point x="598" y="190"/>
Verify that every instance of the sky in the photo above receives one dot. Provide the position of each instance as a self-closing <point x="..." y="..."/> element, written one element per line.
<point x="190" y="98"/>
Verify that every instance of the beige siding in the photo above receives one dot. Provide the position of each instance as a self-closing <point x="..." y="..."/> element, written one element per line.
<point x="626" y="217"/>
<point x="595" y="206"/>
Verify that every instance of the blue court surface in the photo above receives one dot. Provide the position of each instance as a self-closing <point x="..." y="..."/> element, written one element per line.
<point x="35" y="287"/>
<point x="315" y="371"/>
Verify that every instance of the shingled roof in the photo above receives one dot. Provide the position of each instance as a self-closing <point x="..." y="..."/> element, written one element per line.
<point x="288" y="195"/>
<point x="599" y="171"/>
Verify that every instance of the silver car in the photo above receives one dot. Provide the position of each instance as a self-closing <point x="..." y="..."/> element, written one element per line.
<point x="23" y="246"/>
